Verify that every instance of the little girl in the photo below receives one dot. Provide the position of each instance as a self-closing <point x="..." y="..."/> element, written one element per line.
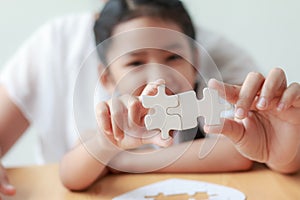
<point x="265" y="128"/>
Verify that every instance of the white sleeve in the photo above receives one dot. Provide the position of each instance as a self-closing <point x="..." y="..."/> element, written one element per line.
<point x="21" y="76"/>
<point x="233" y="62"/>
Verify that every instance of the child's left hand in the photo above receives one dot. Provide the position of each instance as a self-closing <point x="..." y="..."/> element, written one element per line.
<point x="266" y="127"/>
<point x="122" y="120"/>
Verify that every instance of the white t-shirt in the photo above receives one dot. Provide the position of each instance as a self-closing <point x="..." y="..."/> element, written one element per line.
<point x="40" y="79"/>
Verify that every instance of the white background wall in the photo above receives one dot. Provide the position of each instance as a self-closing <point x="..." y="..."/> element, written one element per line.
<point x="269" y="30"/>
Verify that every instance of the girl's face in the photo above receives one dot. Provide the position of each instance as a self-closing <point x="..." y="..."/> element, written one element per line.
<point x="132" y="67"/>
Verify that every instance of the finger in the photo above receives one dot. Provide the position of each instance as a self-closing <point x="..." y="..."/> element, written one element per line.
<point x="5" y="187"/>
<point x="103" y="118"/>
<point x="230" y="128"/>
<point x="273" y="87"/>
<point x="118" y="118"/>
<point x="136" y="112"/>
<point x="226" y="91"/>
<point x="290" y="97"/>
<point x="250" y="88"/>
<point x="151" y="88"/>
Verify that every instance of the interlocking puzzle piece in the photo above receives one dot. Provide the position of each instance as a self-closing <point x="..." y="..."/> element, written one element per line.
<point x="160" y="119"/>
<point x="180" y="112"/>
<point x="190" y="108"/>
<point x="210" y="107"/>
<point x="187" y="109"/>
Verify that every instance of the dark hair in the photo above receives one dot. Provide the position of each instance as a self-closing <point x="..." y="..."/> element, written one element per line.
<point x="115" y="12"/>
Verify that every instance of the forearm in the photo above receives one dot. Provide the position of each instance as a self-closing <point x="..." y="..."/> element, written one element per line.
<point x="215" y="161"/>
<point x="79" y="168"/>
<point x="287" y="168"/>
<point x="223" y="157"/>
<point x="12" y="122"/>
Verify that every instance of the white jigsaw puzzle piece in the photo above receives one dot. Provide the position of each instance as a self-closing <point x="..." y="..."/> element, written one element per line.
<point x="210" y="107"/>
<point x="187" y="109"/>
<point x="161" y="120"/>
<point x="180" y="112"/>
<point x="159" y="103"/>
<point x="190" y="108"/>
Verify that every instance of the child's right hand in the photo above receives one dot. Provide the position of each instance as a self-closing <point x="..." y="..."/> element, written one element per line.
<point x="122" y="120"/>
<point x="5" y="187"/>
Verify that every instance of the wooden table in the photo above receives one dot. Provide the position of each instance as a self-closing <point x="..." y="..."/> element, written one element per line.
<point x="42" y="182"/>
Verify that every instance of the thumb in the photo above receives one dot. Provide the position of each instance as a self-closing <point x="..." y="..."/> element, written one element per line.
<point x="227" y="91"/>
<point x="235" y="131"/>
<point x="151" y="88"/>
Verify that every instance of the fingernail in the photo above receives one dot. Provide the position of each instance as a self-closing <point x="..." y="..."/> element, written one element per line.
<point x="217" y="81"/>
<point x="9" y="187"/>
<point x="160" y="81"/>
<point x="117" y="138"/>
<point x="280" y="106"/>
<point x="262" y="103"/>
<point x="240" y="113"/>
<point x="212" y="80"/>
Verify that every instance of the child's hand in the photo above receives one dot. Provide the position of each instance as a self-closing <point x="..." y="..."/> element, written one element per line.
<point x="266" y="127"/>
<point x="5" y="187"/>
<point x="122" y="120"/>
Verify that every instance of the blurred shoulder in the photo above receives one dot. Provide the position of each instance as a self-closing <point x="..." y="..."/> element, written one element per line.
<point x="71" y="22"/>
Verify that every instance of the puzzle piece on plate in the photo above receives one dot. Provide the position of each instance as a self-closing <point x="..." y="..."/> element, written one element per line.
<point x="180" y="112"/>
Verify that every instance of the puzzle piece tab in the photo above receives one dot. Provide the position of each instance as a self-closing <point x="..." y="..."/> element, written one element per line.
<point x="160" y="99"/>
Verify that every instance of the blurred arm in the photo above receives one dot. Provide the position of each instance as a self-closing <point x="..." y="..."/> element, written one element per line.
<point x="12" y="122"/>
